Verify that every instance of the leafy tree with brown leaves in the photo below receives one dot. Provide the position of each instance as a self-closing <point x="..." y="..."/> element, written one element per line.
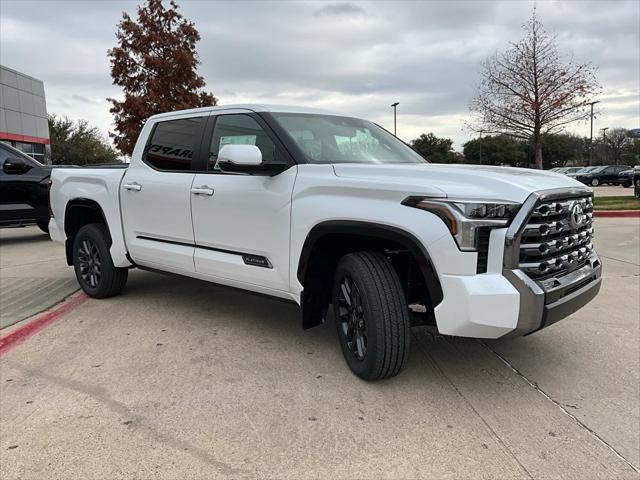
<point x="155" y="63"/>
<point x="530" y="90"/>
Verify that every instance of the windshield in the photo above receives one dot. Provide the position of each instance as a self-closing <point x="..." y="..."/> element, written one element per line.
<point x="335" y="139"/>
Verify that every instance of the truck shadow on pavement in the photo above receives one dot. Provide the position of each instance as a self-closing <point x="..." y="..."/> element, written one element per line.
<point x="263" y="325"/>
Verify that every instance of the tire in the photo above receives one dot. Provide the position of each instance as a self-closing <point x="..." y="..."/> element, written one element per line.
<point x="595" y="182"/>
<point x="93" y="265"/>
<point x="43" y="225"/>
<point x="626" y="185"/>
<point x="378" y="311"/>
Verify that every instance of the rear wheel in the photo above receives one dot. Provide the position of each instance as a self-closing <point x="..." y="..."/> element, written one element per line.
<point x="372" y="317"/>
<point x="595" y="182"/>
<point x="93" y="265"/>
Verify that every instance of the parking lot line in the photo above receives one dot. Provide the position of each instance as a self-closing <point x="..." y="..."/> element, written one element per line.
<point x="39" y="322"/>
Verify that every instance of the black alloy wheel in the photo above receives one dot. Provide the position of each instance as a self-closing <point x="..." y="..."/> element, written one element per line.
<point x="90" y="263"/>
<point x="352" y="318"/>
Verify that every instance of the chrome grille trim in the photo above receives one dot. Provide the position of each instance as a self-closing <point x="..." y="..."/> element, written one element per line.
<point x="549" y="245"/>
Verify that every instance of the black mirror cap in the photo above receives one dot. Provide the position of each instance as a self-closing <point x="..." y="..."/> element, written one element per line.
<point x="15" y="166"/>
<point x="265" y="168"/>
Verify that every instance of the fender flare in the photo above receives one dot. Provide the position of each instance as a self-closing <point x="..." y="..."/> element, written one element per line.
<point x="376" y="230"/>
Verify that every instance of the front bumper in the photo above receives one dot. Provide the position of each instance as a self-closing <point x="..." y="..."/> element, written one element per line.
<point x="507" y="302"/>
<point x="543" y="303"/>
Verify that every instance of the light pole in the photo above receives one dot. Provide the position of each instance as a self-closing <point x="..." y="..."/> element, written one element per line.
<point x="395" y="128"/>
<point x="604" y="143"/>
<point x="481" y="146"/>
<point x="591" y="135"/>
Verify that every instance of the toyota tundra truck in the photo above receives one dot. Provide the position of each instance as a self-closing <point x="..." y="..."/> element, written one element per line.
<point x="326" y="210"/>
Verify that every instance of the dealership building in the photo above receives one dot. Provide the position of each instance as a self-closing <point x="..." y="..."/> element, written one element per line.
<point x="23" y="114"/>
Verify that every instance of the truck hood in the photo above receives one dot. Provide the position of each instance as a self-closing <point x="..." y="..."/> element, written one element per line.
<point x="460" y="181"/>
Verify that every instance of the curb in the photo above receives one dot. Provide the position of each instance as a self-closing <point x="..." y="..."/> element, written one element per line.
<point x="39" y="322"/>
<point x="617" y="213"/>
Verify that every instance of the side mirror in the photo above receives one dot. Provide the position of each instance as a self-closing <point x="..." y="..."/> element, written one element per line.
<point x="15" y="166"/>
<point x="246" y="159"/>
<point x="240" y="155"/>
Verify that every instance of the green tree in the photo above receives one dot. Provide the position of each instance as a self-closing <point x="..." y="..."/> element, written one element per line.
<point x="77" y="143"/>
<point x="434" y="149"/>
<point x="561" y="149"/>
<point x="495" y="150"/>
<point x="155" y="63"/>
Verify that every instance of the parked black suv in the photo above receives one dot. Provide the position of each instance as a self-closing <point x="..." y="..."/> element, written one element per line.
<point x="24" y="189"/>
<point x="608" y="174"/>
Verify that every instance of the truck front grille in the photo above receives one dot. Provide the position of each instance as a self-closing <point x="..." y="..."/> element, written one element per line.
<point x="557" y="237"/>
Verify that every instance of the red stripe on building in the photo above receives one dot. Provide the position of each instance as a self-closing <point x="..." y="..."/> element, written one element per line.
<point x="23" y="138"/>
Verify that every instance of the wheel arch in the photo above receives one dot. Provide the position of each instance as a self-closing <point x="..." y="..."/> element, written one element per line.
<point x="375" y="235"/>
<point x="78" y="213"/>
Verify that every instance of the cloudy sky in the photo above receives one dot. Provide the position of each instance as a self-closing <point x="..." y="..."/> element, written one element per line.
<point x="355" y="57"/>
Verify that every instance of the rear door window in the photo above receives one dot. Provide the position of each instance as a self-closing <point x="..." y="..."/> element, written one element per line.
<point x="172" y="144"/>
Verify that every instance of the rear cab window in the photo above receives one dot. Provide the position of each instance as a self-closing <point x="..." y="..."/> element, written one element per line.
<point x="172" y="144"/>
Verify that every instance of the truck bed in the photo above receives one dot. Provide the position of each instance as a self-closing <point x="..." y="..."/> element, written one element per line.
<point x="97" y="186"/>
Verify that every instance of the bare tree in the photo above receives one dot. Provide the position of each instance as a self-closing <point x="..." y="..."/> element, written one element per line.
<point x="616" y="141"/>
<point x="529" y="90"/>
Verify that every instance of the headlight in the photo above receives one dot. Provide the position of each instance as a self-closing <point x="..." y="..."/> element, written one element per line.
<point x="463" y="216"/>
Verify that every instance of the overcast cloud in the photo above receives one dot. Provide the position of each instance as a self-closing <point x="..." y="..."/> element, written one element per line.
<point x="355" y="57"/>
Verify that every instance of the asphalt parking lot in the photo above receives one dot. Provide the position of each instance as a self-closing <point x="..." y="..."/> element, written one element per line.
<point x="612" y="191"/>
<point x="178" y="378"/>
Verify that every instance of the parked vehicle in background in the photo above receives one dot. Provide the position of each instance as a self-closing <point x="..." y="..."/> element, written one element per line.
<point x="565" y="170"/>
<point x="625" y="178"/>
<point x="24" y="189"/>
<point x="606" y="175"/>
<point x="324" y="209"/>
<point x="581" y="170"/>
<point x="636" y="181"/>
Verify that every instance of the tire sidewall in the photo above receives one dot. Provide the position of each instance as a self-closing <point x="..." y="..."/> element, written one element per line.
<point x="595" y="182"/>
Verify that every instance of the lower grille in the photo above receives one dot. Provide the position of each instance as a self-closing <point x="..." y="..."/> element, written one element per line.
<point x="557" y="237"/>
<point x="482" y="247"/>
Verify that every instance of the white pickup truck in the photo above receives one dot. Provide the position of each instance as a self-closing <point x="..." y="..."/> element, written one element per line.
<point x="324" y="209"/>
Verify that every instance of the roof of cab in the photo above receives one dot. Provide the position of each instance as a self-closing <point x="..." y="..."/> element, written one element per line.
<point x="253" y="107"/>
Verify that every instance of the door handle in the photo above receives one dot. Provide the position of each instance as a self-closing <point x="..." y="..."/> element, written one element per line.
<point x="203" y="190"/>
<point x="135" y="186"/>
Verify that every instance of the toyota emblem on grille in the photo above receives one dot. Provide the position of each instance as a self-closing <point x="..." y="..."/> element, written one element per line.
<point x="577" y="216"/>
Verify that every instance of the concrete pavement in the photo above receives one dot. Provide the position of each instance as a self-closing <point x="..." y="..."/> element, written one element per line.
<point x="181" y="379"/>
<point x="34" y="274"/>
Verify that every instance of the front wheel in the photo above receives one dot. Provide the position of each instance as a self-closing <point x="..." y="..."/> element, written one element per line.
<point x="371" y="314"/>
<point x="92" y="263"/>
<point x="595" y="182"/>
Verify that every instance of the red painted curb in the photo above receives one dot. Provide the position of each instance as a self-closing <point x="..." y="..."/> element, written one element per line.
<point x="24" y="332"/>
<point x="617" y="213"/>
